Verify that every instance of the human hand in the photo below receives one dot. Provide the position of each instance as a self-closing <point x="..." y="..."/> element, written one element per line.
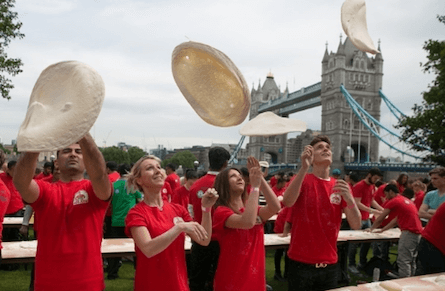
<point x="367" y="229"/>
<point x="193" y="229"/>
<point x="342" y="188"/>
<point x="283" y="235"/>
<point x="252" y="162"/>
<point x="209" y="198"/>
<point x="255" y="176"/>
<point x="24" y="230"/>
<point x="307" y="156"/>
<point x="376" y="212"/>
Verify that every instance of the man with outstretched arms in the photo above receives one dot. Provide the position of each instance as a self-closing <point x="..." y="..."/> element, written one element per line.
<point x="317" y="203"/>
<point x="71" y="213"/>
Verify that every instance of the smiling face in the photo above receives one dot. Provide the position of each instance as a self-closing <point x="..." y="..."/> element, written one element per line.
<point x="322" y="154"/>
<point x="236" y="182"/>
<point x="151" y="175"/>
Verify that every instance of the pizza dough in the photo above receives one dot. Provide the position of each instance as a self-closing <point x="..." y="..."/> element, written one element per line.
<point x="211" y="83"/>
<point x="353" y="21"/>
<point x="391" y="286"/>
<point x="268" y="124"/>
<point x="440" y="280"/>
<point x="64" y="104"/>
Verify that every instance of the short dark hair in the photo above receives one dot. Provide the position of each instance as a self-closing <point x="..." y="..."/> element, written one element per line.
<point x="47" y="165"/>
<point x="112" y="165"/>
<point x="320" y="138"/>
<point x="408" y="193"/>
<point x="123" y="169"/>
<point x="171" y="166"/>
<point x="11" y="164"/>
<point x="391" y="187"/>
<point x="439" y="171"/>
<point x="218" y="156"/>
<point x="375" y="171"/>
<point x="244" y="171"/>
<point x="191" y="174"/>
<point x="354" y="177"/>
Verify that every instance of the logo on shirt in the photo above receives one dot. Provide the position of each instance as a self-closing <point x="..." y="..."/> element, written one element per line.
<point x="116" y="191"/>
<point x="406" y="201"/>
<point x="177" y="220"/>
<point x="81" y="197"/>
<point x="164" y="191"/>
<point x="200" y="194"/>
<point x="335" y="198"/>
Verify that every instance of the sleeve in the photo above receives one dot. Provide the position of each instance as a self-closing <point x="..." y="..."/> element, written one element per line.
<point x="427" y="199"/>
<point x="43" y="190"/>
<point x="183" y="212"/>
<point x="389" y="204"/>
<point x="357" y="191"/>
<point x="289" y="214"/>
<point x="134" y="218"/>
<point x="220" y="217"/>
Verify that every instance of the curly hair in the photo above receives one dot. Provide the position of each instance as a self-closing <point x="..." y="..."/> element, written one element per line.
<point x="135" y="173"/>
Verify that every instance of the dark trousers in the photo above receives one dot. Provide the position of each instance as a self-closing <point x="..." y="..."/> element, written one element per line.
<point x="204" y="261"/>
<point x="277" y="259"/>
<point x="12" y="233"/>
<point x="115" y="263"/>
<point x="430" y="258"/>
<point x="364" y="248"/>
<point x="304" y="277"/>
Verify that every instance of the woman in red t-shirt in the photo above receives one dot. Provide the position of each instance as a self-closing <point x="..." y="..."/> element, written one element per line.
<point x="158" y="229"/>
<point x="419" y="194"/>
<point x="238" y="226"/>
<point x="402" y="182"/>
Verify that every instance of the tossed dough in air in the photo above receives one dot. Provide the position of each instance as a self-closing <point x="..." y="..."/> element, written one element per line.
<point x="353" y="21"/>
<point x="268" y="124"/>
<point x="211" y="83"/>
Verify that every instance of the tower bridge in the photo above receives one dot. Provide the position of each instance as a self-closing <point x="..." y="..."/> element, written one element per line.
<point x="356" y="73"/>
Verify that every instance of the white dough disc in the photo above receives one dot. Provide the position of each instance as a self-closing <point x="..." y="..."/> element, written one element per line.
<point x="268" y="124"/>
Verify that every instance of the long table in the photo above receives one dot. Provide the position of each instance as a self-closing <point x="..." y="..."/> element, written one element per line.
<point x="25" y="251"/>
<point x="10" y="222"/>
<point x="420" y="283"/>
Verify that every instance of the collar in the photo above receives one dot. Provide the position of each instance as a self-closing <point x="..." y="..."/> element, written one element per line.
<point x="213" y="173"/>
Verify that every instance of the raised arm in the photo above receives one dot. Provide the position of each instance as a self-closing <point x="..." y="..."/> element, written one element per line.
<point x="292" y="192"/>
<point x="95" y="166"/>
<point x="208" y="200"/>
<point x="23" y="181"/>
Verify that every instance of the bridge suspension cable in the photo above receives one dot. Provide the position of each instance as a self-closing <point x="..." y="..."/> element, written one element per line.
<point x="373" y="124"/>
<point x="236" y="150"/>
<point x="394" y="110"/>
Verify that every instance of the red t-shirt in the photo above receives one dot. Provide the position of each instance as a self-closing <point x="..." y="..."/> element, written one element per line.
<point x="406" y="213"/>
<point x="181" y="196"/>
<point x="279" y="192"/>
<point x="418" y="199"/>
<point x="16" y="202"/>
<point x="316" y="219"/>
<point x="114" y="176"/>
<point x="434" y="230"/>
<point x="241" y="264"/>
<point x="197" y="190"/>
<point x="166" y="192"/>
<point x="43" y="176"/>
<point x="273" y="181"/>
<point x="379" y="194"/>
<point x="366" y="193"/>
<point x="166" y="270"/>
<point x="174" y="181"/>
<point x="70" y="235"/>
<point x="281" y="220"/>
<point x="5" y="196"/>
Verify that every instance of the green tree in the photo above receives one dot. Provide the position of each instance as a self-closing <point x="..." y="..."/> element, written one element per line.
<point x="135" y="154"/>
<point x="115" y="154"/>
<point x="184" y="158"/>
<point x="9" y="30"/>
<point x="427" y="125"/>
<point x="4" y="149"/>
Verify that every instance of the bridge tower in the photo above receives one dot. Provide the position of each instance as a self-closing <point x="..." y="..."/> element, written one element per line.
<point x="272" y="148"/>
<point x="362" y="77"/>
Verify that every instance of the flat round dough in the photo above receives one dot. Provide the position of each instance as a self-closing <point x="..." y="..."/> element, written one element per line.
<point x="268" y="124"/>
<point x="64" y="104"/>
<point x="353" y="21"/>
<point x="391" y="286"/>
<point x="211" y="83"/>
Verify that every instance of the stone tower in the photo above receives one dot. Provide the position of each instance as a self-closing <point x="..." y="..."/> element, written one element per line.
<point x="362" y="77"/>
<point x="271" y="148"/>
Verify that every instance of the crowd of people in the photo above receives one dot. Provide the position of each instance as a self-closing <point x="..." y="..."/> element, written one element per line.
<point x="221" y="213"/>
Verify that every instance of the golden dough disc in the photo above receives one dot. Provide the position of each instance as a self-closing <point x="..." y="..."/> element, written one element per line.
<point x="211" y="83"/>
<point x="64" y="104"/>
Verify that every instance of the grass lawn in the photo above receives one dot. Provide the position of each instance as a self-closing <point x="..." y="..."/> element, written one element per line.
<point x="19" y="280"/>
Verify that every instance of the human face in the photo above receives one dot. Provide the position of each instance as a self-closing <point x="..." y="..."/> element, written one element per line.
<point x="437" y="181"/>
<point x="389" y="195"/>
<point x="71" y="159"/>
<point x="47" y="170"/>
<point x="404" y="179"/>
<point x="236" y="182"/>
<point x="322" y="153"/>
<point x="151" y="175"/>
<point x="373" y="179"/>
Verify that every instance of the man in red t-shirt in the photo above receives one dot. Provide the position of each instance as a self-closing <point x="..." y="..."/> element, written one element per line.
<point x="204" y="259"/>
<point x="363" y="193"/>
<point x="47" y="167"/>
<point x="71" y="213"/>
<point x="317" y="203"/>
<point x="409" y="223"/>
<point x="172" y="178"/>
<point x="432" y="244"/>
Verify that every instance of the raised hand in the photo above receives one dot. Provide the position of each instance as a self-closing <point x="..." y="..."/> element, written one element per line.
<point x="342" y="187"/>
<point x="252" y="162"/>
<point x="307" y="156"/>
<point x="209" y="198"/>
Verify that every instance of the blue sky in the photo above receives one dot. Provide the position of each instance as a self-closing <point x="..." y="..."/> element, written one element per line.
<point x="130" y="44"/>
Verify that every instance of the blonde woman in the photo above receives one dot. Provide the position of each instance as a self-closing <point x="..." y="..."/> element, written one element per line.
<point x="158" y="229"/>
